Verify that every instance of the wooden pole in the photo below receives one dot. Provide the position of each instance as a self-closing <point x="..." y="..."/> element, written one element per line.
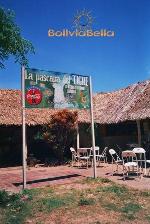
<point x="78" y="137"/>
<point x="92" y="131"/>
<point x="139" y="132"/>
<point x="24" y="150"/>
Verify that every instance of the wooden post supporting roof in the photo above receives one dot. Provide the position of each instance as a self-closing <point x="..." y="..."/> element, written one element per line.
<point x="139" y="132"/>
<point x="78" y="137"/>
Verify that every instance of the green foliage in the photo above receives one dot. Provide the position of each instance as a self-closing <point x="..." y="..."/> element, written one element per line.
<point x="11" y="42"/>
<point x="60" y="133"/>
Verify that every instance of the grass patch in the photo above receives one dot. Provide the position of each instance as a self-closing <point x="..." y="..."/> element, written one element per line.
<point x="18" y="213"/>
<point x="16" y="209"/>
<point x="130" y="209"/>
<point x="37" y="192"/>
<point x="97" y="180"/>
<point x="29" y="193"/>
<point x="97" y="222"/>
<point x="4" y="198"/>
<point x="52" y="203"/>
<point x="86" y="201"/>
<point x="116" y="189"/>
<point x="129" y="216"/>
<point x="147" y="217"/>
<point x="111" y="206"/>
<point x="98" y="197"/>
<point x="145" y="193"/>
<point x="8" y="198"/>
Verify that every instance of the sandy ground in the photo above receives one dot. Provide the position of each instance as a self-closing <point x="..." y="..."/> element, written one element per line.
<point x="11" y="178"/>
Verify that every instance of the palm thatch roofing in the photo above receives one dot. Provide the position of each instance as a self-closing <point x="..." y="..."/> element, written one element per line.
<point x="11" y="113"/>
<point x="131" y="103"/>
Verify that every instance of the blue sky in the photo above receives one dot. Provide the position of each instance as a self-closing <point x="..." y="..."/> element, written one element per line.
<point x="113" y="63"/>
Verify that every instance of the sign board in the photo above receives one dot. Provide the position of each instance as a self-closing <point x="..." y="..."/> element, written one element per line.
<point x="47" y="89"/>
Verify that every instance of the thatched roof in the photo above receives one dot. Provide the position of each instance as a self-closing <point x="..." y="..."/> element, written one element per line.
<point x="10" y="111"/>
<point x="130" y="103"/>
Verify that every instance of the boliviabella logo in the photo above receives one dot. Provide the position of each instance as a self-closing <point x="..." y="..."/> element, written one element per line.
<point x="82" y="25"/>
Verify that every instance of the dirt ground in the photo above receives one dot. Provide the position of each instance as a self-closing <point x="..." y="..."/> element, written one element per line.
<point x="11" y="178"/>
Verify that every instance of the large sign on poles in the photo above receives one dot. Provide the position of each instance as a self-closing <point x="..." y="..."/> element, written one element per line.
<point x="44" y="89"/>
<point x="47" y="89"/>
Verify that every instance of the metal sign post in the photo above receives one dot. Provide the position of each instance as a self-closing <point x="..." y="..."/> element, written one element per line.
<point x="24" y="154"/>
<point x="92" y="130"/>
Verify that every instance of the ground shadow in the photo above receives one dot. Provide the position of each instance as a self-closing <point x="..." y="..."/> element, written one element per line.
<point x="48" y="179"/>
<point x="127" y="178"/>
<point x="113" y="174"/>
<point x="131" y="177"/>
<point x="85" y="167"/>
<point x="146" y="176"/>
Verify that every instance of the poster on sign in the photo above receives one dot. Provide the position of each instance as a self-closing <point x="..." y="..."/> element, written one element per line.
<point x="47" y="89"/>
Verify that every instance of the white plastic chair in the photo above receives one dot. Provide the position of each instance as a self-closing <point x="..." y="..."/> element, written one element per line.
<point x="102" y="156"/>
<point x="115" y="158"/>
<point x="148" y="161"/>
<point x="130" y="163"/>
<point x="96" y="154"/>
<point x="74" y="156"/>
<point x="83" y="155"/>
<point x="141" y="157"/>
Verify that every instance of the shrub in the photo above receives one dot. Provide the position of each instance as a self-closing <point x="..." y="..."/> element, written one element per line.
<point x="60" y="133"/>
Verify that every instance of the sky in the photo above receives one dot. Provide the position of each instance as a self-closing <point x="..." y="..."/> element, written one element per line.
<point x="113" y="62"/>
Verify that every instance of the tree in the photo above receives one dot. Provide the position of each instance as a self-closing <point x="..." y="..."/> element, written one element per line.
<point x="11" y="41"/>
<point x="61" y="133"/>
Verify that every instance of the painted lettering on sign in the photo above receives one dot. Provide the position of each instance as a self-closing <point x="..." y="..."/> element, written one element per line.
<point x="46" y="89"/>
